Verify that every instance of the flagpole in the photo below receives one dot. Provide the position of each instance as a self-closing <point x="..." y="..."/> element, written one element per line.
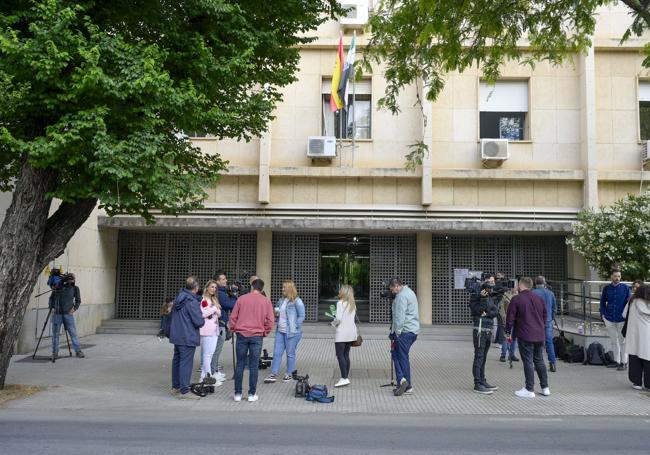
<point x="354" y="104"/>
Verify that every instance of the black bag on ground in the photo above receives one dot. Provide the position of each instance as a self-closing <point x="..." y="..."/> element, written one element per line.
<point x="560" y="343"/>
<point x="609" y="358"/>
<point x="302" y="386"/>
<point x="595" y="354"/>
<point x="574" y="354"/>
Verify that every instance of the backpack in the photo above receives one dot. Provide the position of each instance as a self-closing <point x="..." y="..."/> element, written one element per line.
<point x="595" y="354"/>
<point x="318" y="392"/>
<point x="560" y="343"/>
<point x="574" y="354"/>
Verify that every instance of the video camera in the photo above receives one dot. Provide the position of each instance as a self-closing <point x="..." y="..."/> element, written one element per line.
<point x="239" y="286"/>
<point x="57" y="281"/>
<point x="265" y="360"/>
<point x="385" y="292"/>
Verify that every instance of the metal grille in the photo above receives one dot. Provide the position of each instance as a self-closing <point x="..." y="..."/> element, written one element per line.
<point x="296" y="257"/>
<point x="520" y="255"/>
<point x="390" y="256"/>
<point x="153" y="265"/>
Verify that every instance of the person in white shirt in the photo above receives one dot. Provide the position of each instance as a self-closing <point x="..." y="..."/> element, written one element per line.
<point x="346" y="331"/>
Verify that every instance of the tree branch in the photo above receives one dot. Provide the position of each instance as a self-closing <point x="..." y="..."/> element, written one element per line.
<point x="61" y="226"/>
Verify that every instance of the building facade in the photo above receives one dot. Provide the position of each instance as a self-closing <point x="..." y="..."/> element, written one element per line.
<point x="573" y="137"/>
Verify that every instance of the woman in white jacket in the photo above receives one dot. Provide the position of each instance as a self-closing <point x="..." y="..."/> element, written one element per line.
<point x="637" y="338"/>
<point x="346" y="331"/>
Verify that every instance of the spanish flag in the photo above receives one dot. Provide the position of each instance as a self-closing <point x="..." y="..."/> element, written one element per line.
<point x="335" y="100"/>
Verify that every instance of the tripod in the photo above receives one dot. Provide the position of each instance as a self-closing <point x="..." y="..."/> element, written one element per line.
<point x="67" y="339"/>
<point x="392" y="382"/>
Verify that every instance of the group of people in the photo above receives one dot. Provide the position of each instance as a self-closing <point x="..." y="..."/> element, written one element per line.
<point x="205" y="319"/>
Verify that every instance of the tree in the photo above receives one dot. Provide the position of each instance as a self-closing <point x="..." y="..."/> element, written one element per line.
<point x="616" y="236"/>
<point x="425" y="40"/>
<point x="95" y="97"/>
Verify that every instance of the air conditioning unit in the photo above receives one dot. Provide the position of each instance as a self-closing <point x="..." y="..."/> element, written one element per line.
<point x="494" y="149"/>
<point x="357" y="14"/>
<point x="321" y="146"/>
<point x="645" y="153"/>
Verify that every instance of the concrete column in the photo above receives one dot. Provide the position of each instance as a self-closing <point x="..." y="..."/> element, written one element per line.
<point x="425" y="277"/>
<point x="427" y="138"/>
<point x="589" y="154"/>
<point x="264" y="185"/>
<point x="264" y="255"/>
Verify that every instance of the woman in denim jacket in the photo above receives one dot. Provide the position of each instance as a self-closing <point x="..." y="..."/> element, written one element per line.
<point x="290" y="314"/>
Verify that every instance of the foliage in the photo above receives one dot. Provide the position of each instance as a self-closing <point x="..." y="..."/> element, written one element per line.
<point x="616" y="235"/>
<point x="423" y="39"/>
<point x="101" y="91"/>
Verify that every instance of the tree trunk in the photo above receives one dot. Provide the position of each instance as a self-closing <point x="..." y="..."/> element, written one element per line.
<point x="28" y="242"/>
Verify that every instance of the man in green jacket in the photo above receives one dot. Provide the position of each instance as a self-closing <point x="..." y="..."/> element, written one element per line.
<point x="404" y="331"/>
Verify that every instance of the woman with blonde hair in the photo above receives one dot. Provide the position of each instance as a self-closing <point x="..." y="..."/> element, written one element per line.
<point x="211" y="311"/>
<point x="290" y="313"/>
<point x="346" y="331"/>
<point x="637" y="338"/>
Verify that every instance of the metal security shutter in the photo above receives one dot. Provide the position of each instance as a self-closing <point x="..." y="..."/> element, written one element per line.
<point x="394" y="255"/>
<point x="153" y="265"/>
<point x="295" y="256"/>
<point x="518" y="255"/>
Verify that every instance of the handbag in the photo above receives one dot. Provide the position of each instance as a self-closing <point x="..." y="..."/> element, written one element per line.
<point x="356" y="343"/>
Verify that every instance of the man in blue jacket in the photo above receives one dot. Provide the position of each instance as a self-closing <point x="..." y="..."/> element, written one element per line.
<point x="612" y="302"/>
<point x="227" y="303"/>
<point x="551" y="307"/>
<point x="186" y="320"/>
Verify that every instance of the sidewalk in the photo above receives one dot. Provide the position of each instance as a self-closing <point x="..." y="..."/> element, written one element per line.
<point x="132" y="372"/>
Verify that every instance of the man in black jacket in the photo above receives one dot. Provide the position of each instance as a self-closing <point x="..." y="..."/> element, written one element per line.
<point x="483" y="310"/>
<point x="227" y="303"/>
<point x="63" y="303"/>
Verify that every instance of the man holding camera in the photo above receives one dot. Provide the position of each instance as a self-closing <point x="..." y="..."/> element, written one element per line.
<point x="404" y="332"/>
<point x="63" y="303"/>
<point x="483" y="309"/>
<point x="527" y="312"/>
<point x="227" y="299"/>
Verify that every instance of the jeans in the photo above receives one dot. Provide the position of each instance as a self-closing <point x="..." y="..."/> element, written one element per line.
<point x="550" y="349"/>
<point x="247" y="348"/>
<point x="208" y="344"/>
<point x="217" y="351"/>
<point x="343" y="356"/>
<point x="182" y="367"/>
<point x="284" y="343"/>
<point x="400" y="355"/>
<point x="482" y="341"/>
<point x="639" y="371"/>
<point x="532" y="356"/>
<point x="617" y="340"/>
<point x="68" y="324"/>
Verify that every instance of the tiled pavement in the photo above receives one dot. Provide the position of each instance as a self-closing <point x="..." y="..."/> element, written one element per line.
<point x="132" y="372"/>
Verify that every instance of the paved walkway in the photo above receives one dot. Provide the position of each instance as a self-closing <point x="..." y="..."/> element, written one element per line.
<point x="132" y="372"/>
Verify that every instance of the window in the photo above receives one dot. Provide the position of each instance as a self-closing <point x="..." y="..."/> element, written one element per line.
<point x="340" y="123"/>
<point x="644" y="110"/>
<point x="504" y="110"/>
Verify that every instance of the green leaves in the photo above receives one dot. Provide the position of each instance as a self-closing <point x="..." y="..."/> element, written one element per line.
<point x="617" y="235"/>
<point x="99" y="91"/>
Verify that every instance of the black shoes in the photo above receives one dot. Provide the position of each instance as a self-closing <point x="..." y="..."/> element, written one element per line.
<point x="480" y="388"/>
<point x="80" y="354"/>
<point x="489" y="387"/>
<point x="514" y="358"/>
<point x="552" y="368"/>
<point x="502" y="359"/>
<point x="621" y="367"/>
<point x="403" y="385"/>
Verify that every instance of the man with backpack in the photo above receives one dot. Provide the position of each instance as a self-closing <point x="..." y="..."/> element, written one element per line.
<point x="551" y="305"/>
<point x="527" y="312"/>
<point x="612" y="303"/>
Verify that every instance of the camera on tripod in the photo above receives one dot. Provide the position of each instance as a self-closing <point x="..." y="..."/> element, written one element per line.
<point x="57" y="281"/>
<point x="385" y="292"/>
<point x="265" y="360"/>
<point x="239" y="285"/>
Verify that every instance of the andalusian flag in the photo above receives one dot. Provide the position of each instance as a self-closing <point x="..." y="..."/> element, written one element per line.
<point x="348" y="71"/>
<point x="335" y="101"/>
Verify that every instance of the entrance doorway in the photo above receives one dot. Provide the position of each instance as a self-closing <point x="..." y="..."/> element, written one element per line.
<point x="344" y="259"/>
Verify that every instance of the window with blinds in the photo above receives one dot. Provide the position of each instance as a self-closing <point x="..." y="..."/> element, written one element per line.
<point x="504" y="110"/>
<point x="644" y="110"/>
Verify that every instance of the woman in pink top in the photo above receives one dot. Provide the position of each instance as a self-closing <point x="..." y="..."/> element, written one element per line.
<point x="211" y="311"/>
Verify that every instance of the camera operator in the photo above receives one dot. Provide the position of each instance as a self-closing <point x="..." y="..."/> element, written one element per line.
<point x="404" y="332"/>
<point x="227" y="299"/>
<point x="64" y="301"/>
<point x="483" y="309"/>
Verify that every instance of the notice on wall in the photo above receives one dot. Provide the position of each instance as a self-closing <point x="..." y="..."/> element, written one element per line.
<point x="460" y="275"/>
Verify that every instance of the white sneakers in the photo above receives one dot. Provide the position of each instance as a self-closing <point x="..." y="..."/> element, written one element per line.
<point x="251" y="398"/>
<point x="525" y="393"/>
<point x="342" y="382"/>
<point x="219" y="376"/>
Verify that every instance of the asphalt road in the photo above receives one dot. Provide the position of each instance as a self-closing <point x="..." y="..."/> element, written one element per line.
<point x="68" y="433"/>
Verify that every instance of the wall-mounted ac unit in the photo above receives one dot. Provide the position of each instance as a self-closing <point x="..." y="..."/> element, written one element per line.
<point x="321" y="146"/>
<point x="494" y="149"/>
<point x="357" y="14"/>
<point x="645" y="153"/>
